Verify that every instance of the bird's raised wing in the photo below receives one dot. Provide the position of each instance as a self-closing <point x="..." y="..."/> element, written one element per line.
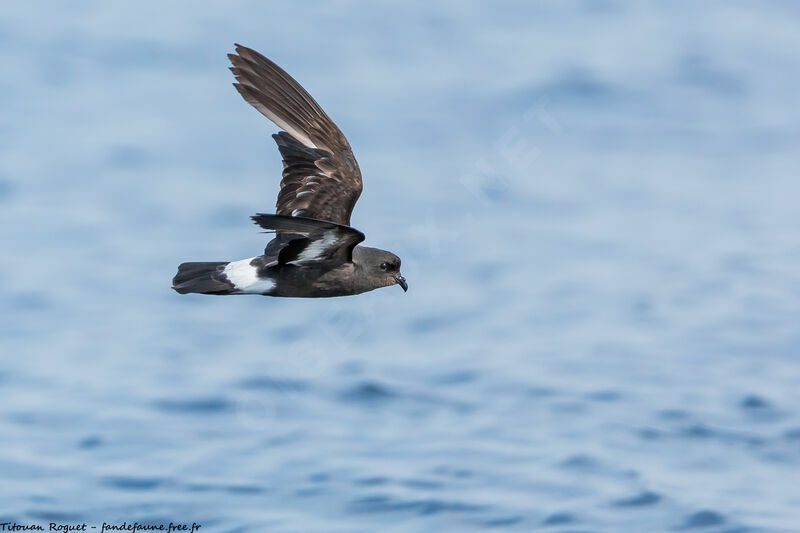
<point x="321" y="178"/>
<point x="312" y="241"/>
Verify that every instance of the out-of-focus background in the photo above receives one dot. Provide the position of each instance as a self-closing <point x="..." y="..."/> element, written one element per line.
<point x="596" y="203"/>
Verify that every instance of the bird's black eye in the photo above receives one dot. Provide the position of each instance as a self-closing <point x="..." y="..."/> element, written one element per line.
<point x="384" y="266"/>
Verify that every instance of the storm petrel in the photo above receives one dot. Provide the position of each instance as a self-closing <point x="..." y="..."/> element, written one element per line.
<point x="315" y="253"/>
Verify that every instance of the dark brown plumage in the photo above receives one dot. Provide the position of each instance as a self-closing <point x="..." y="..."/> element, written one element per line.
<point x="315" y="252"/>
<point x="321" y="178"/>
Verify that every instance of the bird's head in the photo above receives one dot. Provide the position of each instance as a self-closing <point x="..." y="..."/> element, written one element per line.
<point x="381" y="266"/>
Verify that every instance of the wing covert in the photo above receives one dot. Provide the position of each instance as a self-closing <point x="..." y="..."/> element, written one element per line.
<point x="308" y="240"/>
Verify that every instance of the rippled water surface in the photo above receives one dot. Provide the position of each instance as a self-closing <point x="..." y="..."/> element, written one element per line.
<point x="596" y="204"/>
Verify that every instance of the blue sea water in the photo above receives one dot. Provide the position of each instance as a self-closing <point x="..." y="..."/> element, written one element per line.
<point x="596" y="203"/>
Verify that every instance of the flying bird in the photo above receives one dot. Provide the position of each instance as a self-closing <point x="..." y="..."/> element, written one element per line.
<point x="315" y="253"/>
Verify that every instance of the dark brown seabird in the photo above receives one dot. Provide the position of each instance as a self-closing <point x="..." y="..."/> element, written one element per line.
<point x="315" y="252"/>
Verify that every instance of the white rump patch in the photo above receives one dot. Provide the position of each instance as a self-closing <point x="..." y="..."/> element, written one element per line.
<point x="313" y="250"/>
<point x="244" y="277"/>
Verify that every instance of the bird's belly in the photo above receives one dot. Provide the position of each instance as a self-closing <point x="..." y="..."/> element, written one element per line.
<point x="293" y="281"/>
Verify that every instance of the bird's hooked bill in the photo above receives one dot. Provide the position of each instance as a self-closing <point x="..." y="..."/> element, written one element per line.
<point x="402" y="282"/>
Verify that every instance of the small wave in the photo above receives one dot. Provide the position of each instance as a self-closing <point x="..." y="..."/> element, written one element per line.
<point x="702" y="431"/>
<point x="423" y="484"/>
<point x="368" y="392"/>
<point x="90" y="442"/>
<point x="580" y="462"/>
<point x="702" y="519"/>
<point x="270" y="383"/>
<point x="502" y="522"/>
<point x="56" y="516"/>
<point x="605" y="396"/>
<point x="388" y="504"/>
<point x="759" y="408"/>
<point x="674" y="414"/>
<point x="372" y="481"/>
<point x="210" y="405"/>
<point x="640" y="500"/>
<point x="558" y="519"/>
<point x="244" y="489"/>
<point x="452" y="472"/>
<point x="429" y="324"/>
<point x="754" y="402"/>
<point x="132" y="483"/>
<point x="650" y="433"/>
<point x="457" y="377"/>
<point x="792" y="434"/>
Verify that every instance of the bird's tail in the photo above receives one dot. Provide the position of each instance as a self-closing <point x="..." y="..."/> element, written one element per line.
<point x="202" y="278"/>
